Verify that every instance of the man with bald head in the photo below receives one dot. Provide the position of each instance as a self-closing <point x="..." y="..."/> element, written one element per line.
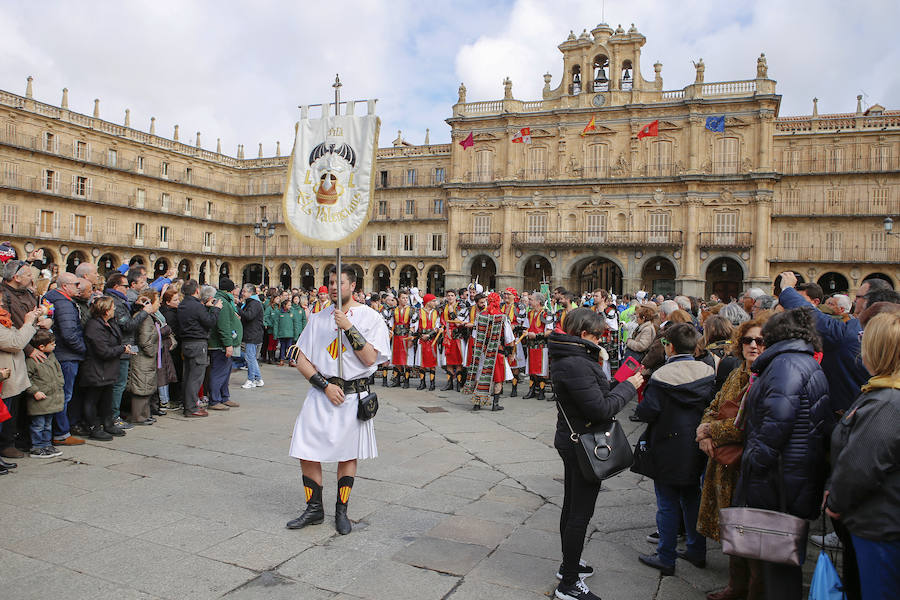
<point x="69" y="350"/>
<point x="88" y="271"/>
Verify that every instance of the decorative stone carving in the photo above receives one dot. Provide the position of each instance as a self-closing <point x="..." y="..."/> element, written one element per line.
<point x="706" y="167"/>
<point x="701" y="68"/>
<point x="621" y="167"/>
<point x="462" y="94"/>
<point x="507" y="89"/>
<point x="762" y="68"/>
<point x="746" y="166"/>
<point x="659" y="195"/>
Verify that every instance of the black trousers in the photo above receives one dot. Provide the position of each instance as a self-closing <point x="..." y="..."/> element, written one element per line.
<point x="176" y="394"/>
<point x="97" y="404"/>
<point x="196" y="359"/>
<point x="10" y="427"/>
<point x="578" y="508"/>
<point x="781" y="582"/>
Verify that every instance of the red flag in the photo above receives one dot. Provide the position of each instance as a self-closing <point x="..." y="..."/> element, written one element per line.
<point x="589" y="127"/>
<point x="523" y="137"/>
<point x="468" y="142"/>
<point x="649" y="130"/>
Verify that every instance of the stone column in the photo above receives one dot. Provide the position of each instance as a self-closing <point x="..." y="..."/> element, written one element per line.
<point x="691" y="282"/>
<point x="453" y="276"/>
<point x="759" y="266"/>
<point x="694" y="123"/>
<point x="765" y="132"/>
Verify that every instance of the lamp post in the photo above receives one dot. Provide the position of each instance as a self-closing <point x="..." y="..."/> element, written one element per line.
<point x="263" y="230"/>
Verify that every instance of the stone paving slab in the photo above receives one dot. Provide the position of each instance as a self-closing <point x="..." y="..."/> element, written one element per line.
<point x="459" y="505"/>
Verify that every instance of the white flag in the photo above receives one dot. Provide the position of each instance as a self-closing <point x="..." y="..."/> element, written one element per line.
<point x="329" y="189"/>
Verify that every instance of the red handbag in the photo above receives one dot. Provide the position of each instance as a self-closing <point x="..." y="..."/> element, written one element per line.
<point x="4" y="412"/>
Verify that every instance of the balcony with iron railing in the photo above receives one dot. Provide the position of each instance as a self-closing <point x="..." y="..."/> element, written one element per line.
<point x="837" y="165"/>
<point x="394" y="180"/>
<point x="480" y="240"/>
<point x="602" y="238"/>
<point x="823" y="207"/>
<point x="887" y="251"/>
<point x="718" y="240"/>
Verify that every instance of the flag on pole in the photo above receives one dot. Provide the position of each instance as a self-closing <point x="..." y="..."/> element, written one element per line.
<point x="523" y="137"/>
<point x="468" y="142"/>
<point x="591" y="126"/>
<point x="649" y="130"/>
<point x="329" y="189"/>
<point x="716" y="123"/>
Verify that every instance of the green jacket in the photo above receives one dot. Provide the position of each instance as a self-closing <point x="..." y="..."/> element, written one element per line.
<point x="299" y="319"/>
<point x="45" y="377"/>
<point x="624" y="317"/>
<point x="269" y="313"/>
<point x="283" y="324"/>
<point x="228" y="331"/>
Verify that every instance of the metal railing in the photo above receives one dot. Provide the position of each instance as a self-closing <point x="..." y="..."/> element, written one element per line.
<point x="712" y="240"/>
<point x="576" y="239"/>
<point x="480" y="240"/>
<point x="887" y="252"/>
<point x="835" y="164"/>
<point x="823" y="207"/>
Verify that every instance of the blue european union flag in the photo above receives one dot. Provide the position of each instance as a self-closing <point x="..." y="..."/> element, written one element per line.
<point x="716" y="123"/>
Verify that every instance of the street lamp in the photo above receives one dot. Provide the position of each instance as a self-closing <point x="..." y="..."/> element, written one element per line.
<point x="263" y="230"/>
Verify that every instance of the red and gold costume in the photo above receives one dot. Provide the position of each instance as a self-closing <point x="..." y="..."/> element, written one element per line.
<point x="470" y="346"/>
<point x="428" y="325"/>
<point x="400" y="330"/>
<point x="452" y="345"/>
<point x="319" y="306"/>
<point x="537" y="350"/>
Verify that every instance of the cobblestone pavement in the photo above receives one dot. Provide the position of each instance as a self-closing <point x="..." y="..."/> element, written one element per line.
<point x="459" y="505"/>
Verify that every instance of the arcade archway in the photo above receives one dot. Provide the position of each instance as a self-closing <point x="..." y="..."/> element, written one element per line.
<point x="724" y="278"/>
<point x="184" y="269"/>
<point x="381" y="278"/>
<point x="435" y="281"/>
<point x="484" y="271"/>
<point x="880" y="276"/>
<point x="599" y="273"/>
<point x="307" y="277"/>
<point x="159" y="268"/>
<point x="75" y="258"/>
<point x="658" y="276"/>
<point x="285" y="276"/>
<point x="537" y="269"/>
<point x="106" y="264"/>
<point x="409" y="277"/>
<point x="252" y="274"/>
<point x="834" y="283"/>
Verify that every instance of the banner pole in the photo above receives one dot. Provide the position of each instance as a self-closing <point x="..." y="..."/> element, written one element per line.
<point x="337" y="275"/>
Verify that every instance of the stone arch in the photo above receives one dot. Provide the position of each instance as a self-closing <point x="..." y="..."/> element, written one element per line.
<point x="484" y="268"/>
<point x="381" y="278"/>
<point x="307" y="274"/>
<point x="408" y="276"/>
<point x="834" y="282"/>
<point x="75" y="258"/>
<point x="160" y="267"/>
<point x="724" y="277"/>
<point x="880" y="276"/>
<point x="608" y="273"/>
<point x="185" y="267"/>
<point x="435" y="280"/>
<point x="658" y="275"/>
<point x="535" y="269"/>
<point x="107" y="263"/>
<point x="325" y="274"/>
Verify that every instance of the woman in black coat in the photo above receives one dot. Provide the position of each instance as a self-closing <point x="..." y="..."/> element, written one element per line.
<point x="787" y="408"/>
<point x="100" y="368"/>
<point x="583" y="392"/>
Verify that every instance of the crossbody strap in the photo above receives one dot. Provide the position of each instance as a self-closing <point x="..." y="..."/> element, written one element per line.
<point x="573" y="436"/>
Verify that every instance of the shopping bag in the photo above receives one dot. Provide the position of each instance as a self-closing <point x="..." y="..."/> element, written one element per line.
<point x="826" y="585"/>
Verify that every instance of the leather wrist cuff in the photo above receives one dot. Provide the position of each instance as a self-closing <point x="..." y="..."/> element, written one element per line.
<point x="318" y="381"/>
<point x="357" y="341"/>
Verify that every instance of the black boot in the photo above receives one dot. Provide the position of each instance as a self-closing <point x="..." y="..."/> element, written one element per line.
<point x="341" y="521"/>
<point x="315" y="512"/>
<point x="515" y="388"/>
<point x="98" y="433"/>
<point x="496" y="404"/>
<point x="395" y="382"/>
<point x="532" y="391"/>
<point x="460" y="380"/>
<point x="405" y="384"/>
<point x="384" y="382"/>
<point x="540" y="391"/>
<point x="477" y="406"/>
<point x="431" y="382"/>
<point x="449" y="386"/>
<point x="422" y="383"/>
<point x="111" y="428"/>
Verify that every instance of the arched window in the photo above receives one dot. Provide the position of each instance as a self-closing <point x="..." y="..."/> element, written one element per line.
<point x="727" y="157"/>
<point x="575" y="87"/>
<point x="601" y="82"/>
<point x="627" y="75"/>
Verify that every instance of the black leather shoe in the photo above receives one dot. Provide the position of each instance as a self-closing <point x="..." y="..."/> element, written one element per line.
<point x="697" y="561"/>
<point x="476" y="407"/>
<point x="431" y="385"/>
<point x="3" y="470"/>
<point x="341" y="521"/>
<point x="421" y="385"/>
<point x="395" y="383"/>
<point x="5" y="464"/>
<point x="448" y="387"/>
<point x="514" y="392"/>
<point x="158" y="412"/>
<point x="405" y="384"/>
<point x="313" y="515"/>
<point x="652" y="560"/>
<point x="532" y="392"/>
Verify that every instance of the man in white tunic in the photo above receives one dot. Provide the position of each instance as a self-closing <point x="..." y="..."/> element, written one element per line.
<point x="327" y="428"/>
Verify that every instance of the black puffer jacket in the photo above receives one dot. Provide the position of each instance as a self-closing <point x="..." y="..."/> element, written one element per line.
<point x="100" y="366"/>
<point x="787" y="411"/>
<point x="128" y="323"/>
<point x="676" y="396"/>
<point x="581" y="386"/>
<point x="252" y="319"/>
<point x="195" y="320"/>
<point x="66" y="327"/>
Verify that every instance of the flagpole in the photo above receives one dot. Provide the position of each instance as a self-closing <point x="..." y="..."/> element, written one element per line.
<point x="337" y="275"/>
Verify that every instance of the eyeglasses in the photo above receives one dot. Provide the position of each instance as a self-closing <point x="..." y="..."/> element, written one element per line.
<point x="746" y="341"/>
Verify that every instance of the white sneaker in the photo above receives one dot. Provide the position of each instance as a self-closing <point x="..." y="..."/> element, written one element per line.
<point x="830" y="541"/>
<point x="259" y="383"/>
<point x="249" y="385"/>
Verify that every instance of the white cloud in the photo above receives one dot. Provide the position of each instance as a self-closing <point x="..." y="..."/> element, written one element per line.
<point x="237" y="70"/>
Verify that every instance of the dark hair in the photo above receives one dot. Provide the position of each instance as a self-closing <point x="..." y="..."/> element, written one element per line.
<point x="114" y="280"/>
<point x="584" y="319"/>
<point x="683" y="337"/>
<point x="875" y="284"/>
<point x="883" y="295"/>
<point x="347" y="270"/>
<point x="42" y="337"/>
<point x="190" y="287"/>
<point x="135" y="273"/>
<point x="798" y="323"/>
<point x="716" y="329"/>
<point x="812" y="289"/>
<point x="876" y="309"/>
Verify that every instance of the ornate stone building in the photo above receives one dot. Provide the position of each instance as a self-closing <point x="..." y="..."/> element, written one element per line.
<point x="693" y="209"/>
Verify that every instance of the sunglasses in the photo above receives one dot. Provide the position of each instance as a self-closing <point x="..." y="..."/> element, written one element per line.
<point x="746" y="341"/>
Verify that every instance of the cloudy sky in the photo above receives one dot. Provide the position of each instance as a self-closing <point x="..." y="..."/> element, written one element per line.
<point x="237" y="70"/>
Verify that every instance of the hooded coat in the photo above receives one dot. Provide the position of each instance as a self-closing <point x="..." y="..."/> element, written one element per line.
<point x="142" y="373"/>
<point x="676" y="396"/>
<point x="787" y="411"/>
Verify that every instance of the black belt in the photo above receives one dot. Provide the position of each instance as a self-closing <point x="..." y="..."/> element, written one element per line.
<point x="352" y="386"/>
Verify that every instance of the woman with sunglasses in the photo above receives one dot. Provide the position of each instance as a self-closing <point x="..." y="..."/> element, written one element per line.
<point x="787" y="409"/>
<point x="583" y="392"/>
<point x="717" y="431"/>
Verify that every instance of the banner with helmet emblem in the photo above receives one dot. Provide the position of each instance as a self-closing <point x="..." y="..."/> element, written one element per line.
<point x="329" y="191"/>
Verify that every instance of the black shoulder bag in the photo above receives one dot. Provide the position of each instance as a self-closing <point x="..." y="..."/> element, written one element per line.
<point x="601" y="453"/>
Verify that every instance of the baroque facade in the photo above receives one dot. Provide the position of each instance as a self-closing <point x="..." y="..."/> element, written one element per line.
<point x="689" y="210"/>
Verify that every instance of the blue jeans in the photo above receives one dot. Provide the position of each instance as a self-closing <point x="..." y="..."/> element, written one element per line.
<point x="61" y="419"/>
<point x="668" y="500"/>
<point x="219" y="374"/>
<point x="879" y="568"/>
<point x="41" y="427"/>
<point x="250" y="351"/>
<point x="119" y="387"/>
<point x="163" y="394"/>
<point x="284" y="344"/>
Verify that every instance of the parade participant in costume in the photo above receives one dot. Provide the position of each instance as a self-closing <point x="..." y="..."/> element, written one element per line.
<point x="450" y="322"/>
<point x="327" y="428"/>
<point x="489" y="369"/>
<point x="516" y="356"/>
<point x="479" y="304"/>
<point x="385" y="311"/>
<point x="426" y="330"/>
<point x="402" y="355"/>
<point x="322" y="302"/>
<point x="539" y="326"/>
<point x="605" y="307"/>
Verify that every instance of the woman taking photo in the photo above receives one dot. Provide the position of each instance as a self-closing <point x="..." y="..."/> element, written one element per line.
<point x="639" y="341"/>
<point x="717" y="431"/>
<point x="864" y="489"/>
<point x="100" y="368"/>
<point x="786" y="409"/>
<point x="583" y="392"/>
